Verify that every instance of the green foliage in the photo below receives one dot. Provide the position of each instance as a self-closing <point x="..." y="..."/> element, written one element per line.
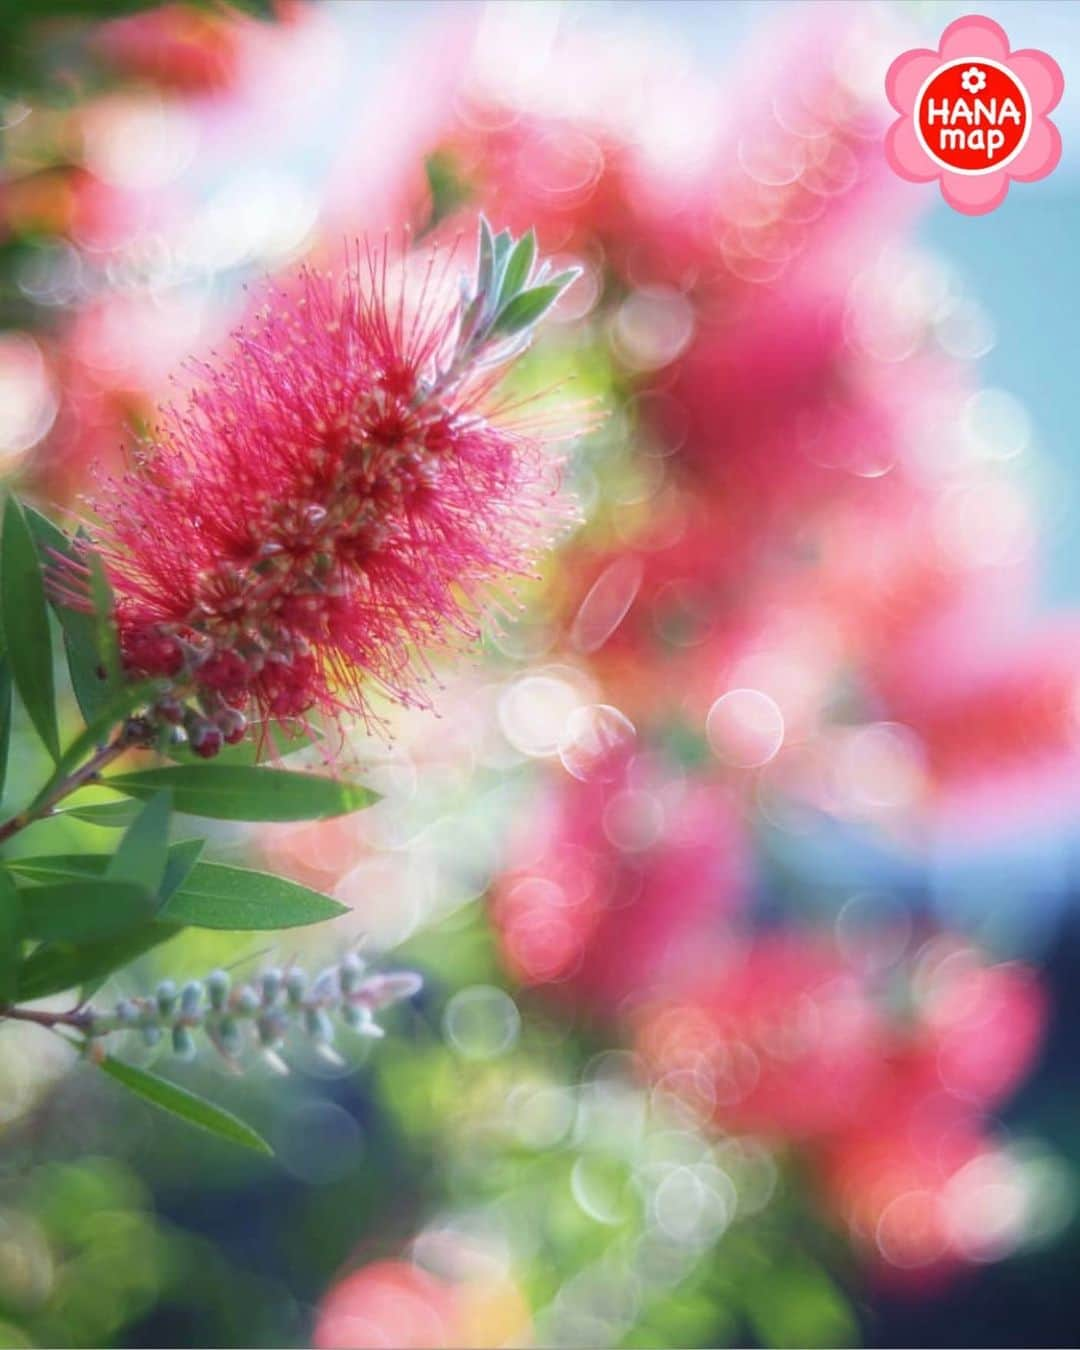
<point x="70" y="920"/>
<point x="180" y="1102"/>
<point x="115" y="815"/>
<point x="84" y="911"/>
<point x="508" y="299"/>
<point x="207" y="895"/>
<point x="5" y="720"/>
<point x="143" y="852"/>
<point x="53" y="968"/>
<point x="25" y="616"/>
<point x="247" y="792"/>
<point x="237" y="899"/>
<point x="9" y="938"/>
<point x="86" y="635"/>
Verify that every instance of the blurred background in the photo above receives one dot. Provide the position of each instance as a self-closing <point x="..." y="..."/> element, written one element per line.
<point x="741" y="864"/>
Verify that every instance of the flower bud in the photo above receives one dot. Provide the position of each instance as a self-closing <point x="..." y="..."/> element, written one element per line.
<point x="183" y="1043"/>
<point x="191" y="1001"/>
<point x="217" y="988"/>
<point x="350" y="972"/>
<point x="247" y="1000"/>
<point x="166" y="998"/>
<point x="318" y="1026"/>
<point x="230" y="1037"/>
<point x="382" y="990"/>
<point x="295" y="985"/>
<point x="359" y="1019"/>
<point x="204" y="737"/>
<point x="232" y="724"/>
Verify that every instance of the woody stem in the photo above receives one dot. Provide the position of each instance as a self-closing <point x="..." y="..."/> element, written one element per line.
<point x="80" y="777"/>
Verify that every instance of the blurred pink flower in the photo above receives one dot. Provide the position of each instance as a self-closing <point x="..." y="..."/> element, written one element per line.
<point x="623" y="886"/>
<point x="397" y="1305"/>
<point x="781" y="1041"/>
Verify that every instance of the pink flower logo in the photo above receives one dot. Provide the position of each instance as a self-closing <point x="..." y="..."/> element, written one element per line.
<point x="973" y="115"/>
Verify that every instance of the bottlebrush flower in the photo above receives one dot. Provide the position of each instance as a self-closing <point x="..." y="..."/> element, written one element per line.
<point x="785" y="1043"/>
<point x="334" y="496"/>
<point x="623" y="886"/>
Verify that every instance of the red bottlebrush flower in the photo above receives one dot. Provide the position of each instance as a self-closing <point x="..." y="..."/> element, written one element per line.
<point x="628" y="889"/>
<point x="785" y="1043"/>
<point x="335" y="495"/>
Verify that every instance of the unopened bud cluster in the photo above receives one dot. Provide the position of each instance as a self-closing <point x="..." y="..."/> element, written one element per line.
<point x="260" y="1014"/>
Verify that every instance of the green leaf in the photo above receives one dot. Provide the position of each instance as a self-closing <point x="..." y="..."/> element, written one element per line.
<point x="66" y="866"/>
<point x="27" y="639"/>
<point x="198" y="894"/>
<point x="53" y="968"/>
<point x="182" y="858"/>
<point x="80" y="628"/>
<point x="195" y="1110"/>
<point x="5" y="719"/>
<point x="526" y="309"/>
<point x="485" y="263"/>
<point x="110" y="815"/>
<point x="10" y="933"/>
<point x="237" y="899"/>
<point x="84" y="910"/>
<point x="59" y="866"/>
<point x="108" y="644"/>
<point x="503" y="241"/>
<point x="518" y="267"/>
<point x="241" y="792"/>
<point x="143" y="852"/>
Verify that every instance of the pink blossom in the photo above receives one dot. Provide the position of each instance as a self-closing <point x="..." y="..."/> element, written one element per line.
<point x="336" y="495"/>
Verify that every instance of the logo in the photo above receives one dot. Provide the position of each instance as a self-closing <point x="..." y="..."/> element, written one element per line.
<point x="973" y="115"/>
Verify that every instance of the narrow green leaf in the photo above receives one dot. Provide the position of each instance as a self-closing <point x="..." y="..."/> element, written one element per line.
<point x="59" y="866"/>
<point x="235" y="898"/>
<point x="27" y="639"/>
<point x="485" y="264"/>
<point x="180" y="1102"/>
<point x="518" y="267"/>
<point x="503" y="241"/>
<point x="242" y="792"/>
<point x="80" y="628"/>
<point x="182" y="858"/>
<point x="108" y="644"/>
<point x="5" y="719"/>
<point x="142" y="854"/>
<point x="72" y="866"/>
<point x="110" y="815"/>
<point x="55" y="967"/>
<point x="526" y="309"/>
<point x="10" y="933"/>
<point x="84" y="910"/>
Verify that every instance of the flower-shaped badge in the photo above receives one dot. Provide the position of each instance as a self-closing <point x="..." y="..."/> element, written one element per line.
<point x="973" y="115"/>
